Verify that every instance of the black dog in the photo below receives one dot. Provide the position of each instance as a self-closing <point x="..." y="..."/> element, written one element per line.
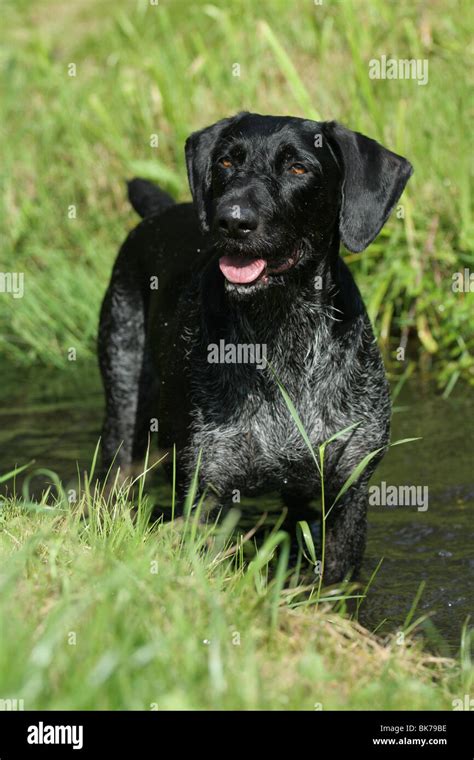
<point x="201" y="293"/>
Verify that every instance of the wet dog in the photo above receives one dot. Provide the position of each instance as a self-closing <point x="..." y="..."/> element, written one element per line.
<point x="204" y="295"/>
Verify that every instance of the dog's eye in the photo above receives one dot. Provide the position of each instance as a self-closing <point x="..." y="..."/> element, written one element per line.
<point x="297" y="169"/>
<point x="225" y="162"/>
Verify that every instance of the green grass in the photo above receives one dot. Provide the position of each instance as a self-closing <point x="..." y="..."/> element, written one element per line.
<point x="102" y="608"/>
<point x="109" y="612"/>
<point x="167" y="70"/>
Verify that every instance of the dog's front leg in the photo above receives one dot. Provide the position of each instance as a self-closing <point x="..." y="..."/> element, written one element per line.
<point x="346" y="530"/>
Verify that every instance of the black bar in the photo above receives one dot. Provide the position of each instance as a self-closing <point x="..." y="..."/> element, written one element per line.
<point x="220" y="734"/>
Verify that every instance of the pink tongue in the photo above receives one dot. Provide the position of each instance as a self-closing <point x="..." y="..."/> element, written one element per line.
<point x="241" y="271"/>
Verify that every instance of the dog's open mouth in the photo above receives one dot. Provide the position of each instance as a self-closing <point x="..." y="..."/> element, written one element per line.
<point x="241" y="270"/>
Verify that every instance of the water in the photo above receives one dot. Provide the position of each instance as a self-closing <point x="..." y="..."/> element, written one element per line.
<point x="437" y="545"/>
<point x="54" y="418"/>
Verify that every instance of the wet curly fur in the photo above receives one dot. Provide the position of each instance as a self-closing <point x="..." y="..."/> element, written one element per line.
<point x="300" y="187"/>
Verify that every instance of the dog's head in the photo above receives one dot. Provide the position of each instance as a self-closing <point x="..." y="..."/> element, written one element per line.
<point x="272" y="189"/>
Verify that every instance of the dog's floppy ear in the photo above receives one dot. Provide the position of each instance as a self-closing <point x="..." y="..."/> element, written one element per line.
<point x="198" y="149"/>
<point x="374" y="179"/>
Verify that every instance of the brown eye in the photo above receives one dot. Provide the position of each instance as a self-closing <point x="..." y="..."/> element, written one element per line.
<point x="226" y="162"/>
<point x="297" y="169"/>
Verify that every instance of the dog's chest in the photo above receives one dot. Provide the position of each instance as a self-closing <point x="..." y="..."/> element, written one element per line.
<point x="241" y="421"/>
<point x="249" y="440"/>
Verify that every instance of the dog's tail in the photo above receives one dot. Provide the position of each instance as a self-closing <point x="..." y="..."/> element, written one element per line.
<point x="147" y="198"/>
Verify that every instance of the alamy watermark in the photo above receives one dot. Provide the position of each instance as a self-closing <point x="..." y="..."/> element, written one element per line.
<point x="463" y="282"/>
<point x="13" y="283"/>
<point x="399" y="68"/>
<point x="11" y="704"/>
<point x="42" y="733"/>
<point x="399" y="496"/>
<point x="464" y="703"/>
<point x="237" y="353"/>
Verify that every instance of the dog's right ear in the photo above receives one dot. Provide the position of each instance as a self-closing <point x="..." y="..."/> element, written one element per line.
<point x="198" y="150"/>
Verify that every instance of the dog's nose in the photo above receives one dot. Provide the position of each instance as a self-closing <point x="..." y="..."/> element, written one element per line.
<point x="237" y="221"/>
